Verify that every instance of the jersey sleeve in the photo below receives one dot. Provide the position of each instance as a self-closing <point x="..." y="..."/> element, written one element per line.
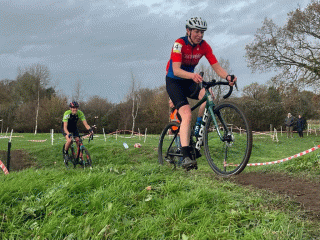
<point x="176" y="53"/>
<point x="81" y="115"/>
<point x="209" y="54"/>
<point x="66" y="116"/>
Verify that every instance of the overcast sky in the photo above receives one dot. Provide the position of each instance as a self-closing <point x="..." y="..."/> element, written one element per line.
<point x="99" y="42"/>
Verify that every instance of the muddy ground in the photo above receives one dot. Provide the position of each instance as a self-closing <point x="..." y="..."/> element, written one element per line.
<point x="19" y="160"/>
<point x="302" y="191"/>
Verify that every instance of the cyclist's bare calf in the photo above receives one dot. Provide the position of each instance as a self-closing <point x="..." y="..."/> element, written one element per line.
<point x="185" y="113"/>
<point x="69" y="140"/>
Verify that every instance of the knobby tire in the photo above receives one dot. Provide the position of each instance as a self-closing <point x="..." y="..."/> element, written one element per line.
<point x="228" y="156"/>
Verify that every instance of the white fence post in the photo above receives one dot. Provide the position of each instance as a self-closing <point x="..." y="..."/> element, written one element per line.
<point x="104" y="134"/>
<point x="145" y="135"/>
<point x="52" y="136"/>
<point x="11" y="135"/>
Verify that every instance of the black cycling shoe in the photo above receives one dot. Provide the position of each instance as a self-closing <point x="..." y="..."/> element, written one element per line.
<point x="198" y="154"/>
<point x="188" y="163"/>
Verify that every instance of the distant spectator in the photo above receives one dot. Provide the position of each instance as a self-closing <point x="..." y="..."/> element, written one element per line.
<point x="289" y="125"/>
<point x="300" y="125"/>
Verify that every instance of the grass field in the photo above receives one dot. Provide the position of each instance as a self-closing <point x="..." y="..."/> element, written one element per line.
<point x="127" y="195"/>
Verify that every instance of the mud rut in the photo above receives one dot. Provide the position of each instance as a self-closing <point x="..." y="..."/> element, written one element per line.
<point x="302" y="191"/>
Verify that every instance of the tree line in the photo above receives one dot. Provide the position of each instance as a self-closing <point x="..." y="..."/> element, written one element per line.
<point x="30" y="104"/>
<point x="27" y="102"/>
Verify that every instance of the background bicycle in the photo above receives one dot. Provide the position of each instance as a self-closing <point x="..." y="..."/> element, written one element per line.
<point x="79" y="155"/>
<point x="225" y="134"/>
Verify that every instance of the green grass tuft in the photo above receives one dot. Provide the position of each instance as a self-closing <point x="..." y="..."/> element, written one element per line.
<point x="111" y="201"/>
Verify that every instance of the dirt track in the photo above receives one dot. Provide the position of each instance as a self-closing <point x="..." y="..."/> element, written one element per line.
<point x="305" y="192"/>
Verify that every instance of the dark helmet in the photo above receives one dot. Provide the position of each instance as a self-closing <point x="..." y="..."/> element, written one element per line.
<point x="74" y="104"/>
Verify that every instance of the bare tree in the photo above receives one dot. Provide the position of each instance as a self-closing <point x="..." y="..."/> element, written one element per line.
<point x="210" y="74"/>
<point x="292" y="49"/>
<point x="41" y="74"/>
<point x="76" y="95"/>
<point x="135" y="97"/>
<point x="255" y="91"/>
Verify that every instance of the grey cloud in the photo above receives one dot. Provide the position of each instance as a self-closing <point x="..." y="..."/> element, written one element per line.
<point x="100" y="42"/>
<point x="33" y="17"/>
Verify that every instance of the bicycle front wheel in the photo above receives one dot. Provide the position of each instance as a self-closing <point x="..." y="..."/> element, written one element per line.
<point x="169" y="145"/>
<point x="86" y="159"/>
<point x="227" y="143"/>
<point x="71" y="156"/>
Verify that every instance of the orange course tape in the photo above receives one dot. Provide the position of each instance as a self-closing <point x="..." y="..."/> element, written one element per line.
<point x="285" y="159"/>
<point x="4" y="168"/>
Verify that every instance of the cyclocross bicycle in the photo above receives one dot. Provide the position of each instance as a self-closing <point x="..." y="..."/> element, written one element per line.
<point x="225" y="134"/>
<point x="82" y="157"/>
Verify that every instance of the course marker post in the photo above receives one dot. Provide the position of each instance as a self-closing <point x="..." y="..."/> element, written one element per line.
<point x="139" y="133"/>
<point x="275" y="135"/>
<point x="9" y="152"/>
<point x="104" y="135"/>
<point x="145" y="135"/>
<point x="52" y="136"/>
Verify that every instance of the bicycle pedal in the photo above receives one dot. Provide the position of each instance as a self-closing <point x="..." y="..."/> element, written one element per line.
<point x="195" y="167"/>
<point x="171" y="161"/>
<point x="191" y="166"/>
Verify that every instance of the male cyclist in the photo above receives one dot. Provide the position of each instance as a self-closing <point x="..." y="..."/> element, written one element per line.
<point x="182" y="82"/>
<point x="69" y="125"/>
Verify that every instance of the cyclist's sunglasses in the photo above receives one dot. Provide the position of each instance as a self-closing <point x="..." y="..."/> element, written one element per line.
<point x="74" y="107"/>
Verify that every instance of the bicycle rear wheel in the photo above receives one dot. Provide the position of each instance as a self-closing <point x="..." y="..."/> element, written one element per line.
<point x="85" y="159"/>
<point x="169" y="145"/>
<point x="229" y="153"/>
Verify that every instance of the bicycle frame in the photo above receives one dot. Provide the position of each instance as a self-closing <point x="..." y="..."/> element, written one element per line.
<point x="80" y="146"/>
<point x="209" y="109"/>
<point x="209" y="106"/>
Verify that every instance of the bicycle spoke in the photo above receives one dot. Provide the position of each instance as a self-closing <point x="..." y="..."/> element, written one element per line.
<point x="169" y="146"/>
<point x="229" y="154"/>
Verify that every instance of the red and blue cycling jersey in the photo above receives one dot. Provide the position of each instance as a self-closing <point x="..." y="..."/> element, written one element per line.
<point x="189" y="55"/>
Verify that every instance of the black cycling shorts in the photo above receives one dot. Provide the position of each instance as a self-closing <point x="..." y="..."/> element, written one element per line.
<point x="180" y="89"/>
<point x="75" y="132"/>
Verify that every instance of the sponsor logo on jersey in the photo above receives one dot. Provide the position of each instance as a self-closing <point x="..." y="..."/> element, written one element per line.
<point x="177" y="47"/>
<point x="193" y="56"/>
<point x="66" y="117"/>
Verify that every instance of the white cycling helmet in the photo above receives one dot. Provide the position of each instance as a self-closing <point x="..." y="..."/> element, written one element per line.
<point x="196" y="23"/>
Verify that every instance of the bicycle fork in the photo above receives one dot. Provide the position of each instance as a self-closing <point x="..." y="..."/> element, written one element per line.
<point x="227" y="138"/>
